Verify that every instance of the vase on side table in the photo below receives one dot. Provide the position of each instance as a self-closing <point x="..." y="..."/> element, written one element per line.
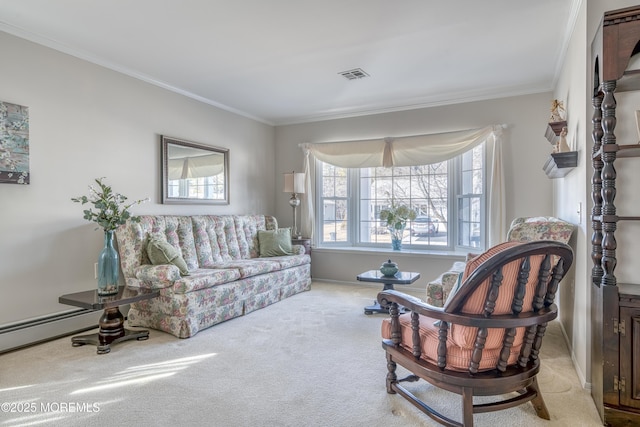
<point x="108" y="267"/>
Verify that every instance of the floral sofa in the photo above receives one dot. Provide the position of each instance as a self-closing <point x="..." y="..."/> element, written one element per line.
<point x="226" y="275"/>
<point x="523" y="229"/>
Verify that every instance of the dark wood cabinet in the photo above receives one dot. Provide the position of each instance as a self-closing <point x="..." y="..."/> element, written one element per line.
<point x="615" y="308"/>
<point x="629" y="331"/>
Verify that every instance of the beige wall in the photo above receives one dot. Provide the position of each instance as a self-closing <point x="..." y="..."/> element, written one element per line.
<point x="528" y="190"/>
<point x="88" y="122"/>
<point x="571" y="194"/>
<point x="574" y="87"/>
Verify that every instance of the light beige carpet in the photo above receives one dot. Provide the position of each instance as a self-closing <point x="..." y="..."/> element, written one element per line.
<point x="311" y="360"/>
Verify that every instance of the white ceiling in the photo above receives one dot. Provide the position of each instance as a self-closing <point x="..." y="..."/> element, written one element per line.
<point x="278" y="61"/>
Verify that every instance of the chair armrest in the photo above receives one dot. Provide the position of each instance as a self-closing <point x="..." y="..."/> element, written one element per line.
<point x="499" y="321"/>
<point x="414" y="304"/>
<point x="157" y="276"/>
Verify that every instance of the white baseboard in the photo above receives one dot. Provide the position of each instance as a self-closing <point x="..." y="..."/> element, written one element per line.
<point x="34" y="331"/>
<point x="581" y="376"/>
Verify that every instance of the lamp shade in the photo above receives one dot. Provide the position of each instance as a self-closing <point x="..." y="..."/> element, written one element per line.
<point x="294" y="182"/>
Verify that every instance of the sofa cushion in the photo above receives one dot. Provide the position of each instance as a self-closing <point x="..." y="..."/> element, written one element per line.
<point x="162" y="252"/>
<point x="204" y="278"/>
<point x="252" y="267"/>
<point x="293" y="261"/>
<point x="216" y="239"/>
<point x="133" y="238"/>
<point x="247" y="227"/>
<point x="275" y="242"/>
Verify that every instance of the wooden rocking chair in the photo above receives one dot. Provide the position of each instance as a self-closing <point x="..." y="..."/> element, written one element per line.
<point x="486" y="339"/>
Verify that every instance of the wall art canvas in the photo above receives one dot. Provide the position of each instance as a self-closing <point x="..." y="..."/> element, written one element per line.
<point x="14" y="143"/>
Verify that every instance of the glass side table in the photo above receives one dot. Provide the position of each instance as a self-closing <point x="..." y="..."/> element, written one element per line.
<point x="111" y="324"/>
<point x="400" y="278"/>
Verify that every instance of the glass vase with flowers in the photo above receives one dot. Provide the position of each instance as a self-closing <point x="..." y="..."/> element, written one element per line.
<point x="110" y="210"/>
<point x="396" y="217"/>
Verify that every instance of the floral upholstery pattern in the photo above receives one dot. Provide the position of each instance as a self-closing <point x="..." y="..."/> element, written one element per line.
<point x="539" y="228"/>
<point x="522" y="229"/>
<point x="438" y="290"/>
<point x="227" y="277"/>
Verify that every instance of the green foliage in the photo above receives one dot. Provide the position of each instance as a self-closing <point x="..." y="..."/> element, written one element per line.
<point x="111" y="209"/>
<point x="397" y="216"/>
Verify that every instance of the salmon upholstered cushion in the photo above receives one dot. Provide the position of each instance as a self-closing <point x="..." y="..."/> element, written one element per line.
<point x="458" y="358"/>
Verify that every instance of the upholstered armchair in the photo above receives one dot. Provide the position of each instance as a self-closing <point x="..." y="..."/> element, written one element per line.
<point x="486" y="339"/>
<point x="522" y="229"/>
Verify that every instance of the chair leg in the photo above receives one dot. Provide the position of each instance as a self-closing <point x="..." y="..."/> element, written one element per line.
<point x="467" y="407"/>
<point x="538" y="401"/>
<point x="391" y="375"/>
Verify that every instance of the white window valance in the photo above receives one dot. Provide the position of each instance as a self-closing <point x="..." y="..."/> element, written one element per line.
<point x="414" y="151"/>
<point x="400" y="151"/>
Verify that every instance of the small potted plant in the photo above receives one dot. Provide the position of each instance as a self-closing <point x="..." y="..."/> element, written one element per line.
<point x="396" y="217"/>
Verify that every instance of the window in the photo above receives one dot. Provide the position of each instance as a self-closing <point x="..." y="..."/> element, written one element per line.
<point x="448" y="198"/>
<point x="209" y="187"/>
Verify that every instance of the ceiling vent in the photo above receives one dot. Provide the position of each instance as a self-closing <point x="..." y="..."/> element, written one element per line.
<point x="356" y="73"/>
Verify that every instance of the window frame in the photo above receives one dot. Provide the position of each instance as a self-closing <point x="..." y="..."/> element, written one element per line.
<point x="353" y="202"/>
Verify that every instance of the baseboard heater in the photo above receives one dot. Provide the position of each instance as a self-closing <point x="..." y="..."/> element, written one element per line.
<point x="23" y="334"/>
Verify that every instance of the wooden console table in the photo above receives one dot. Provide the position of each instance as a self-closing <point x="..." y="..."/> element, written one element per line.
<point x="400" y="278"/>
<point x="111" y="323"/>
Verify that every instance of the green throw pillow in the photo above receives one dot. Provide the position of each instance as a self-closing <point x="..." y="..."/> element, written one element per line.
<point x="162" y="252"/>
<point x="275" y="242"/>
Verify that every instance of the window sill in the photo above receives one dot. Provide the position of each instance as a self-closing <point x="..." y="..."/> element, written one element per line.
<point x="454" y="255"/>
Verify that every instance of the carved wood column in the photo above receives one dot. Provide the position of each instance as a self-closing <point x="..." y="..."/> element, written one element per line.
<point x="609" y="150"/>
<point x="596" y="191"/>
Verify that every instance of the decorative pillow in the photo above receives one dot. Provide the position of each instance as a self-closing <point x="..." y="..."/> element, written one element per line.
<point x="539" y="228"/>
<point x="452" y="292"/>
<point x="275" y="242"/>
<point x="162" y="252"/>
<point x="455" y="288"/>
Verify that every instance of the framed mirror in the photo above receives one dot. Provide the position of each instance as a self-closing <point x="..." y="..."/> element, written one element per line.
<point x="194" y="173"/>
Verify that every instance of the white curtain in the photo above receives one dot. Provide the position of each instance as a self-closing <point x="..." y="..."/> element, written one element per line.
<point x="496" y="211"/>
<point x="402" y="151"/>
<point x="306" y="205"/>
<point x="412" y="151"/>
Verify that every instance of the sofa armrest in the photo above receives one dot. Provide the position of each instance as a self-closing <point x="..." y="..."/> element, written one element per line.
<point x="297" y="250"/>
<point x="157" y="276"/>
<point x="438" y="289"/>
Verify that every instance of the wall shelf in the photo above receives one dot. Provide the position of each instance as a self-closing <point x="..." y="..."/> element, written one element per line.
<point x="560" y="164"/>
<point x="553" y="131"/>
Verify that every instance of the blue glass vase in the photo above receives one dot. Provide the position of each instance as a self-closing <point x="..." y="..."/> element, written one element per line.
<point x="396" y="237"/>
<point x="108" y="267"/>
<point x="396" y="244"/>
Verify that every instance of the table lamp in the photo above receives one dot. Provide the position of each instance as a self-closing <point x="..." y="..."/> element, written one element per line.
<point x="294" y="184"/>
